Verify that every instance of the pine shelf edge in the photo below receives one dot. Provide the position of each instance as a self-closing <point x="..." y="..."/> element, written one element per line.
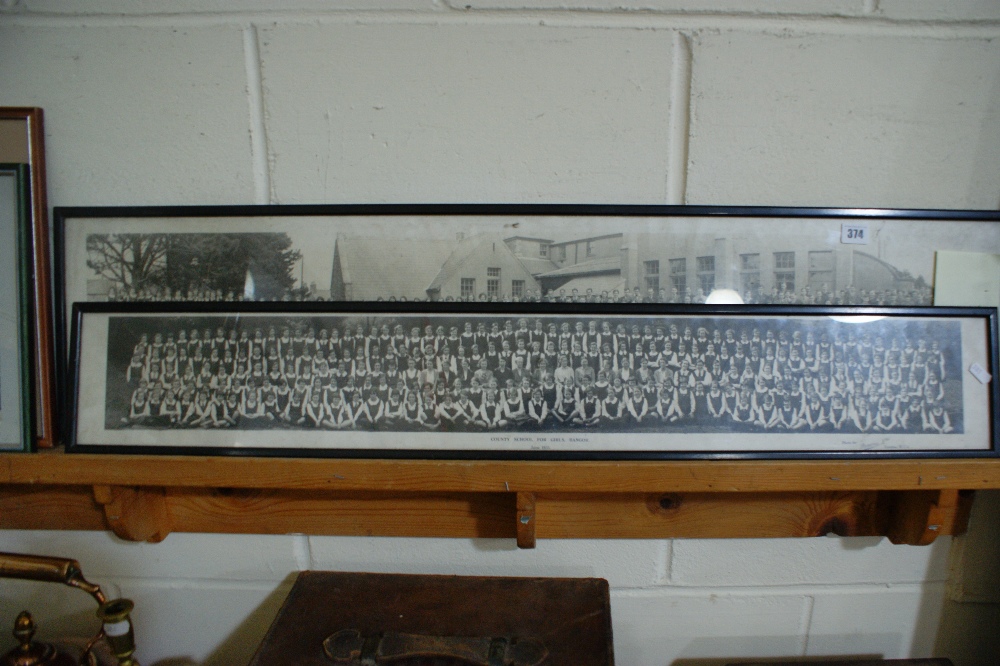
<point x="58" y="468"/>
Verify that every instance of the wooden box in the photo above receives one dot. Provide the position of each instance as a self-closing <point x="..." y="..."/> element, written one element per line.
<point x="368" y="619"/>
<point x="852" y="662"/>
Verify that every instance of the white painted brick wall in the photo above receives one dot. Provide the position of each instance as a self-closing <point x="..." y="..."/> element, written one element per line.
<point x="136" y="113"/>
<point x="655" y="627"/>
<point x="843" y="102"/>
<point x="891" y="621"/>
<point x="759" y="7"/>
<point x="632" y="564"/>
<point x="530" y="113"/>
<point x="856" y="120"/>
<point x="779" y="562"/>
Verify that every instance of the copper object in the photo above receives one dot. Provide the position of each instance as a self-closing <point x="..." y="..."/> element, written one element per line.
<point x="115" y="614"/>
<point x="115" y="617"/>
<point x="49" y="569"/>
<point x="31" y="653"/>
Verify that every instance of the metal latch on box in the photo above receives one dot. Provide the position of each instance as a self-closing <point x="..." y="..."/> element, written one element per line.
<point x="351" y="647"/>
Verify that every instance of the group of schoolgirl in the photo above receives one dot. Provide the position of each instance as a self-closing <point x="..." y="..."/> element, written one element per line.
<point x="484" y="374"/>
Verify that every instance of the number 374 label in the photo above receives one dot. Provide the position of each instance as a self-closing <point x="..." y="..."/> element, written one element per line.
<point x="855" y="233"/>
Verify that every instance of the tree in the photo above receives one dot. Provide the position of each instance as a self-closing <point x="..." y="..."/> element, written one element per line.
<point x="182" y="264"/>
<point x="133" y="263"/>
<point x="220" y="262"/>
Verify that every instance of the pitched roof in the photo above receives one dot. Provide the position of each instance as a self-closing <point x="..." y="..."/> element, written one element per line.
<point x="529" y="238"/>
<point x="584" y="239"/>
<point x="383" y="267"/>
<point x="459" y="254"/>
<point x="464" y="250"/>
<point x="605" y="265"/>
<point x="537" y="265"/>
<point x="895" y="272"/>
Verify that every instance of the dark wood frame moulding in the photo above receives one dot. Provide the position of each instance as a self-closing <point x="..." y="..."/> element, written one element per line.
<point x="45" y="368"/>
<point x="23" y="297"/>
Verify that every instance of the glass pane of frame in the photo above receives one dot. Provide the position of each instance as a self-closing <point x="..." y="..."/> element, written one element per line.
<point x="535" y="380"/>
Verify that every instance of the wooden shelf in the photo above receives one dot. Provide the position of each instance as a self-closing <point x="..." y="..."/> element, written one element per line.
<point x="147" y="497"/>
<point x="56" y="467"/>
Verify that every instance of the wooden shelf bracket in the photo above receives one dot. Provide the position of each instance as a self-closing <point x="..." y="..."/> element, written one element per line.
<point x="526" y="520"/>
<point x="918" y="517"/>
<point x="135" y="514"/>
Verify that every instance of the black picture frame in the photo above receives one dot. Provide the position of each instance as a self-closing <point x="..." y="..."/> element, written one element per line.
<point x="419" y="245"/>
<point x="17" y="395"/>
<point x="106" y="417"/>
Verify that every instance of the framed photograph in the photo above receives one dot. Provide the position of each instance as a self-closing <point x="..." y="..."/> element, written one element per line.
<point x="508" y="253"/>
<point x="22" y="141"/>
<point x="16" y="372"/>
<point x="559" y="381"/>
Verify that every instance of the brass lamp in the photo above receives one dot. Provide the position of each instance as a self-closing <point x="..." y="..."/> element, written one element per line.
<point x="115" y="615"/>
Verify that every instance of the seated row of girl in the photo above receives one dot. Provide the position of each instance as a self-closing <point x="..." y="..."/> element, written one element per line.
<point x="787" y="407"/>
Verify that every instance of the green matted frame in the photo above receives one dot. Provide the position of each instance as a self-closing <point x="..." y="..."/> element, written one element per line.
<point x="16" y="366"/>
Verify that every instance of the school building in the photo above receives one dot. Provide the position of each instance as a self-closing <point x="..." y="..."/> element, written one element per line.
<point x="459" y="269"/>
<point x="518" y="266"/>
<point x="758" y="267"/>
